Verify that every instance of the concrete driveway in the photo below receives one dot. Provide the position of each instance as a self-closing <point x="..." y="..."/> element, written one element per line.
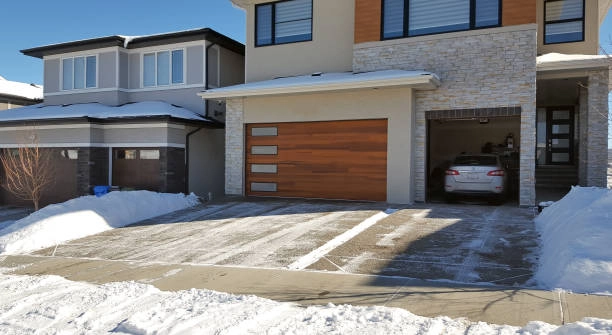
<point x="463" y="243"/>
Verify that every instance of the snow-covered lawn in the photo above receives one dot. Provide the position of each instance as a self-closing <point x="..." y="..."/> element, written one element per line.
<point x="575" y="232"/>
<point x="86" y="216"/>
<point x="51" y="304"/>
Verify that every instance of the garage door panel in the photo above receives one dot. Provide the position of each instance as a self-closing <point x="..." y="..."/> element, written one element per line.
<point x="334" y="160"/>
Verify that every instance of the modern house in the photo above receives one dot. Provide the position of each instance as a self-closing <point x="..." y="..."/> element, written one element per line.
<point x="124" y="111"/>
<point x="14" y="94"/>
<point x="371" y="99"/>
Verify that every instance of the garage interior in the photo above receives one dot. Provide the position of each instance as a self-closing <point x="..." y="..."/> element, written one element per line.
<point x="451" y="136"/>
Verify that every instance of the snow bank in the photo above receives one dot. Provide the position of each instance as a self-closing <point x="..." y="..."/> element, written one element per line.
<point x="575" y="233"/>
<point x="86" y="216"/>
<point x="29" y="305"/>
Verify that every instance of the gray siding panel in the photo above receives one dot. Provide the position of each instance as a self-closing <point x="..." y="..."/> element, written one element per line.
<point x="124" y="74"/>
<point x="195" y="65"/>
<point x="187" y="98"/>
<point x="134" y="70"/>
<point x="112" y="98"/>
<point x="213" y="67"/>
<point x="107" y="70"/>
<point x="232" y="68"/>
<point x="52" y="76"/>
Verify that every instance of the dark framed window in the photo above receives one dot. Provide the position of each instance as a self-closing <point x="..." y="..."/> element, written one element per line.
<point x="405" y="18"/>
<point x="563" y="21"/>
<point x="283" y="22"/>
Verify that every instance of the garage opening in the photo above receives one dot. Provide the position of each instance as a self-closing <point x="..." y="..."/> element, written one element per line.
<point x="328" y="159"/>
<point x="137" y="168"/>
<point x="456" y="134"/>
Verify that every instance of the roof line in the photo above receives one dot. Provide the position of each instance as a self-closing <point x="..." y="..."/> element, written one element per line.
<point x="137" y="42"/>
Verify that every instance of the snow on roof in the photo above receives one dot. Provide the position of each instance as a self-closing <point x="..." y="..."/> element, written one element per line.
<point x="128" y="39"/>
<point x="99" y="111"/>
<point x="557" y="61"/>
<point x="20" y="90"/>
<point x="317" y="82"/>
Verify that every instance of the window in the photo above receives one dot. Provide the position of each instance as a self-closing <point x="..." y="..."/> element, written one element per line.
<point x="70" y="154"/>
<point x="149" y="154"/>
<point x="163" y="68"/>
<point x="125" y="154"/>
<point x="283" y="22"/>
<point x="404" y="18"/>
<point x="564" y="21"/>
<point x="79" y="73"/>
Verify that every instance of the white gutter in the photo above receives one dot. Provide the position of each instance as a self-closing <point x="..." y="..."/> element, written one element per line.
<point x="423" y="81"/>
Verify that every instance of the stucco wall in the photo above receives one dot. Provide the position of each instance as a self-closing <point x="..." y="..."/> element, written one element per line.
<point x="329" y="51"/>
<point x="396" y="105"/>
<point x="478" y="69"/>
<point x="590" y="45"/>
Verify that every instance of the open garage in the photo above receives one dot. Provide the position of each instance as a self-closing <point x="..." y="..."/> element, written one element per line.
<point x="449" y="136"/>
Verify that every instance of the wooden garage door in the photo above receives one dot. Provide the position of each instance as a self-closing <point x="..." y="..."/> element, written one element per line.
<point x="330" y="160"/>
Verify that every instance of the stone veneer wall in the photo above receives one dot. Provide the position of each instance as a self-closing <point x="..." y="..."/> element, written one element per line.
<point x="488" y="68"/>
<point x="597" y="129"/>
<point x="234" y="147"/>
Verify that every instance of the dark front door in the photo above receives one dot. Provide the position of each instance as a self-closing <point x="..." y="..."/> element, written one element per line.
<point x="560" y="135"/>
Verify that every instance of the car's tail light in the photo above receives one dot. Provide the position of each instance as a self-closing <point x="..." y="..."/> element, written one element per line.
<point x="496" y="173"/>
<point x="452" y="172"/>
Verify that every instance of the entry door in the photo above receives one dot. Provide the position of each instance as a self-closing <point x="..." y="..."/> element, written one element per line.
<point x="560" y="135"/>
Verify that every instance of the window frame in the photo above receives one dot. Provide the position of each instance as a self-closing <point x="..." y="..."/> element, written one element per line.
<point x="406" y="27"/>
<point x="170" y="66"/>
<point x="85" y="87"/>
<point x="273" y="24"/>
<point x="583" y="19"/>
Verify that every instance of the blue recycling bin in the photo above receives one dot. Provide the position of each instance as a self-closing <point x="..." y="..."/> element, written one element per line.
<point x="101" y="190"/>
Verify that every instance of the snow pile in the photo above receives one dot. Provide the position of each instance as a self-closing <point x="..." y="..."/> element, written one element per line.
<point x="575" y="233"/>
<point x="30" y="305"/>
<point x="20" y="90"/>
<point x="86" y="216"/>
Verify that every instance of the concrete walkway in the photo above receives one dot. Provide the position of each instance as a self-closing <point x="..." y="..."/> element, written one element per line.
<point x="498" y="305"/>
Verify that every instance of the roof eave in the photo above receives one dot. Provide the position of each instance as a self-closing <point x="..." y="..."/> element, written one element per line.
<point x="573" y="65"/>
<point x="422" y="82"/>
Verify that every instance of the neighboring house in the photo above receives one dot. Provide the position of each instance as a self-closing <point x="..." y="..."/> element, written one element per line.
<point x="14" y="94"/>
<point x="371" y="99"/>
<point x="123" y="111"/>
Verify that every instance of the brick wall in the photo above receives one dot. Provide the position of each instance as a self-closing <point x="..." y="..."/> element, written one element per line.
<point x="479" y="69"/>
<point x="92" y="169"/>
<point x="234" y="147"/>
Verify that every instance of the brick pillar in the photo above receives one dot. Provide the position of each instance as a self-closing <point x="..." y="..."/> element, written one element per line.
<point x="234" y="147"/>
<point x="92" y="169"/>
<point x="597" y="129"/>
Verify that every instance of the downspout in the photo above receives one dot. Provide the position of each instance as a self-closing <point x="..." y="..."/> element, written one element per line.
<point x="205" y="115"/>
<point x="207" y="72"/>
<point x="187" y="158"/>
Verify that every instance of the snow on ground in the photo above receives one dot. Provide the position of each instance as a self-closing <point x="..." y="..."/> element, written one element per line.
<point x="575" y="233"/>
<point x="85" y="216"/>
<point x="30" y="305"/>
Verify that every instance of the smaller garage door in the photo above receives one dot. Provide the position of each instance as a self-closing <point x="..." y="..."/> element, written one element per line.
<point x="330" y="160"/>
<point x="137" y="168"/>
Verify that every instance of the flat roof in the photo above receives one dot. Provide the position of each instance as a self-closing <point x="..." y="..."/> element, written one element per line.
<point x="133" y="42"/>
<point x="321" y="82"/>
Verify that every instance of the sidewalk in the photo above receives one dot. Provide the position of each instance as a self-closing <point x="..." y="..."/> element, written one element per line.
<point x="498" y="305"/>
